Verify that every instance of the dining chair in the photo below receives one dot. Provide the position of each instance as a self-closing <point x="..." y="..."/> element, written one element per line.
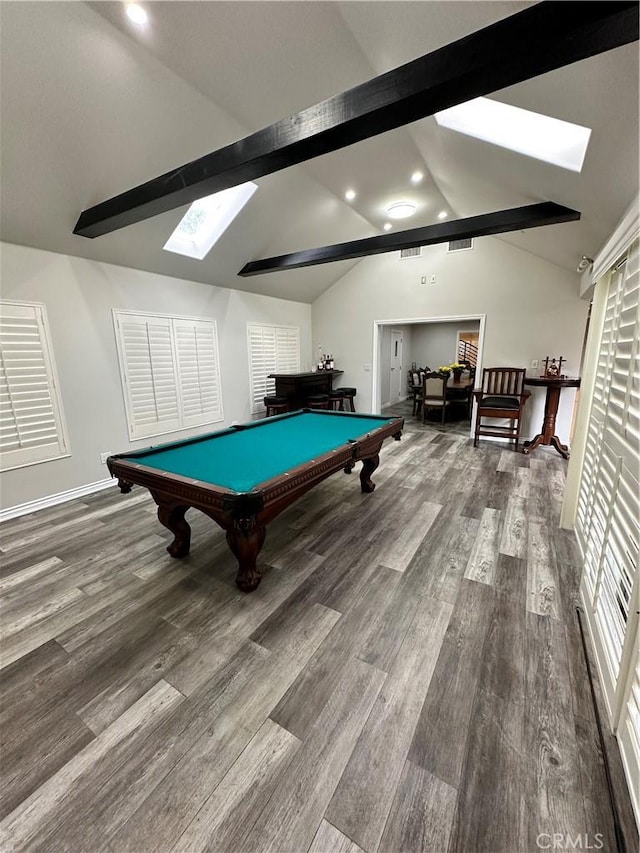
<point x="415" y="389"/>
<point x="434" y="393"/>
<point x="501" y="396"/>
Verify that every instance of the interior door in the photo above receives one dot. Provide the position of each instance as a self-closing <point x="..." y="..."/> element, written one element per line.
<point x="395" y="385"/>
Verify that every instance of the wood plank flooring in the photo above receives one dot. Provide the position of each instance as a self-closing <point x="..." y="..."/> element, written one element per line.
<point x="408" y="677"/>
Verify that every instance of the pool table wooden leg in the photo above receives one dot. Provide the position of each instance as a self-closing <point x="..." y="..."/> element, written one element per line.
<point x="369" y="465"/>
<point x="172" y="517"/>
<point x="245" y="539"/>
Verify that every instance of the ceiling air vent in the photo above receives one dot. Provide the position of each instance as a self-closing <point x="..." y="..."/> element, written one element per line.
<point x="410" y="253"/>
<point x="460" y="245"/>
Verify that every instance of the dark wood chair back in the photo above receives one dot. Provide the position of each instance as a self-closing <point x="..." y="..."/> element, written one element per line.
<point x="501" y="397"/>
<point x="503" y="381"/>
<point x="434" y="393"/>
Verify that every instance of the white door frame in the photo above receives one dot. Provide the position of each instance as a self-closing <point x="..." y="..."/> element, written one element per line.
<point x="414" y="321"/>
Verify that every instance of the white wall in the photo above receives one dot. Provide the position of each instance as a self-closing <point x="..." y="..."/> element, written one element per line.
<point x="532" y="309"/>
<point x="437" y="343"/>
<point x="79" y="295"/>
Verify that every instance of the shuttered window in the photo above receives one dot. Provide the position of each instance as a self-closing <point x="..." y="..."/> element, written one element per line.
<point x="608" y="515"/>
<point x="272" y="349"/>
<point x="31" y="420"/>
<point x="629" y="731"/>
<point x="170" y="372"/>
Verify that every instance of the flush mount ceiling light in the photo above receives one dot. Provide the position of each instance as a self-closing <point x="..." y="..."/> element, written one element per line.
<point x="416" y="177"/>
<point x="207" y="219"/>
<point x="401" y="210"/>
<point x="350" y="195"/>
<point x="136" y="14"/>
<point x="542" y="137"/>
<point x="443" y="214"/>
<point x="387" y="226"/>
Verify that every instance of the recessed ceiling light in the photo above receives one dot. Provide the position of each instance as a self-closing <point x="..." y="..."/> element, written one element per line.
<point x="350" y="195"/>
<point x="207" y="219"/>
<point x="443" y="214"/>
<point x="401" y="210"/>
<point x="416" y="177"/>
<point x="387" y="226"/>
<point x="136" y="13"/>
<point x="542" y="137"/>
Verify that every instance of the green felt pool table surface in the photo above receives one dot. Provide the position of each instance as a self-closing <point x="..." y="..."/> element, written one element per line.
<point x="241" y="459"/>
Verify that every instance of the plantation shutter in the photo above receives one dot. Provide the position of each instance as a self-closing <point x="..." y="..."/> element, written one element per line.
<point x="272" y="349"/>
<point x="170" y="371"/>
<point x="608" y="515"/>
<point x="31" y="422"/>
<point x="629" y="731"/>
<point x="199" y="371"/>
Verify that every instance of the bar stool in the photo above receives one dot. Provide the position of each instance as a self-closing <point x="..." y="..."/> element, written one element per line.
<point x="318" y="401"/>
<point x="336" y="401"/>
<point x="349" y="394"/>
<point x="276" y="405"/>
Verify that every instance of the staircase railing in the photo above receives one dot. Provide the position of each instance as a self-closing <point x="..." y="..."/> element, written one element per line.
<point x="468" y="352"/>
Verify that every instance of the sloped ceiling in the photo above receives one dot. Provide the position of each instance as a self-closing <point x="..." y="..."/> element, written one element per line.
<point x="92" y="106"/>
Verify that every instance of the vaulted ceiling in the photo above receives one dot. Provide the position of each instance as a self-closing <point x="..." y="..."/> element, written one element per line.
<point x="92" y="106"/>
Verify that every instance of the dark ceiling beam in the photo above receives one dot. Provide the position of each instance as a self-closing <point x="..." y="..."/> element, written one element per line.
<point x="539" y="39"/>
<point x="500" y="222"/>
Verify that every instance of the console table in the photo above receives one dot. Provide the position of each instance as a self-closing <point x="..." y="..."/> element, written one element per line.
<point x="296" y="387"/>
<point x="554" y="386"/>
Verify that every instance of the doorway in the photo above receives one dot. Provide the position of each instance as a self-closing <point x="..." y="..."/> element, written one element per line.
<point x="414" y="328"/>
<point x="467" y="346"/>
<point x="395" y="378"/>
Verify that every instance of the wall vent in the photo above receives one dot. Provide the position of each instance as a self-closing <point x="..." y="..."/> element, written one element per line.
<point x="410" y="253"/>
<point x="460" y="245"/>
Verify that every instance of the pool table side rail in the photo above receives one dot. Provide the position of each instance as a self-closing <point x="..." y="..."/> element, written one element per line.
<point x="230" y="430"/>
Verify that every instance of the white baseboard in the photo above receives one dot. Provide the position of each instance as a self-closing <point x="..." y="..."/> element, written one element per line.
<point x="59" y="498"/>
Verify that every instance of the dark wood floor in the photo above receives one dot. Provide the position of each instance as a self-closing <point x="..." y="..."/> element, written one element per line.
<point x="408" y="677"/>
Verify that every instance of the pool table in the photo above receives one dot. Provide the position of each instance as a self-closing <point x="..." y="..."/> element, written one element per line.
<point x="244" y="476"/>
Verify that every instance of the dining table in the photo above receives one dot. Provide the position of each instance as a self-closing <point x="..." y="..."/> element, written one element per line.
<point x="464" y="383"/>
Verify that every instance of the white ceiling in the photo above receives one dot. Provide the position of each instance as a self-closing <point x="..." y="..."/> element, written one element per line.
<point x="92" y="106"/>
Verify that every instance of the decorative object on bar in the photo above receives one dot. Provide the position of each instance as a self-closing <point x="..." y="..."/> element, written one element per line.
<point x="325" y="360"/>
<point x="553" y="368"/>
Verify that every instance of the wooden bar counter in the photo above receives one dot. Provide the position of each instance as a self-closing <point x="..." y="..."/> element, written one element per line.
<point x="296" y="387"/>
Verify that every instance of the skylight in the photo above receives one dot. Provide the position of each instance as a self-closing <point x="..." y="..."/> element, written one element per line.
<point x="207" y="219"/>
<point x="526" y="132"/>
